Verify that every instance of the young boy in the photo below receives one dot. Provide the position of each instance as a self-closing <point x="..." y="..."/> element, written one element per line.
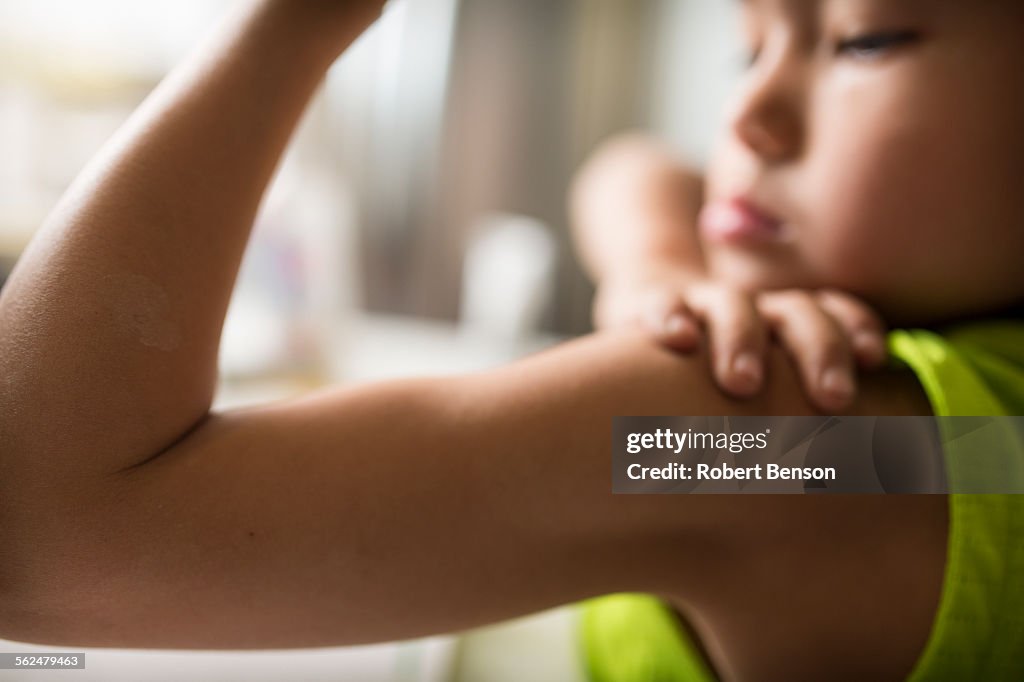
<point x="871" y="161"/>
<point x="133" y="515"/>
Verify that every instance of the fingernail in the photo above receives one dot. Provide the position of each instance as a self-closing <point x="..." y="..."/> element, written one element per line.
<point x="747" y="367"/>
<point x="870" y="345"/>
<point x="838" y="383"/>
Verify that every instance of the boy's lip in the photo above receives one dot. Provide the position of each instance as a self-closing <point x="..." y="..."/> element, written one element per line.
<point x="738" y="221"/>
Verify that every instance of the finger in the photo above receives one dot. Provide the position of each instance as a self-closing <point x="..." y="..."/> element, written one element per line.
<point x="817" y="344"/>
<point x="863" y="327"/>
<point x="737" y="337"/>
<point x="666" y="316"/>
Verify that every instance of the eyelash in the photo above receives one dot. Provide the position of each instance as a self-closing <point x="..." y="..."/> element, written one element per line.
<point x="873" y="45"/>
<point x="865" y="46"/>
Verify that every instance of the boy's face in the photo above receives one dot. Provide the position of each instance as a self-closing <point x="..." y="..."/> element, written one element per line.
<point x="876" y="146"/>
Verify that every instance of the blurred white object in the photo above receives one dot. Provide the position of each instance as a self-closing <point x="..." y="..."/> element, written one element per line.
<point x="544" y="647"/>
<point x="299" y="280"/>
<point x="508" y="277"/>
<point x="253" y="337"/>
<point x="698" y="58"/>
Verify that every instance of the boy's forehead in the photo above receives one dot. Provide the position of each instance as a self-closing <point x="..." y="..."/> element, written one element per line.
<point x="814" y="7"/>
<point x="1007" y="14"/>
<point x="801" y="12"/>
<point x="805" y="7"/>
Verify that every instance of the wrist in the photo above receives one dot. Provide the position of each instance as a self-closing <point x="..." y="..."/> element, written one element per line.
<point x="325" y="26"/>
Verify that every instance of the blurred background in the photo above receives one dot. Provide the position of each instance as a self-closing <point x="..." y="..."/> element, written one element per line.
<point x="418" y="224"/>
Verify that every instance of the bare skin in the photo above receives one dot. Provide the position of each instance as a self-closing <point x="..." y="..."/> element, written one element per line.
<point x="134" y="516"/>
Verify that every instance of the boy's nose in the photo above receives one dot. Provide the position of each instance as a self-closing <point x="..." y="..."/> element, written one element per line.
<point x="766" y="115"/>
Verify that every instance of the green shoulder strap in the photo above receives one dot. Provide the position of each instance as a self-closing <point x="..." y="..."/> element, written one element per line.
<point x="978" y="631"/>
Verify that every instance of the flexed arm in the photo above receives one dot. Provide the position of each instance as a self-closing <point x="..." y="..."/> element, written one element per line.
<point x="130" y="515"/>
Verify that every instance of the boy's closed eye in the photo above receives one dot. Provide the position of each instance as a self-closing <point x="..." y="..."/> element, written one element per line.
<point x="876" y="44"/>
<point x="862" y="30"/>
<point x="868" y="46"/>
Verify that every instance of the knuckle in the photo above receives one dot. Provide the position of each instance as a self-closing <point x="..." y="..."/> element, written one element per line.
<point x="785" y="301"/>
<point x="833" y="349"/>
<point x="835" y="295"/>
<point x="850" y="310"/>
<point x="798" y="298"/>
<point x="785" y="308"/>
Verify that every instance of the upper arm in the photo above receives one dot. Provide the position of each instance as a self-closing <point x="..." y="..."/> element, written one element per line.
<point x="381" y="512"/>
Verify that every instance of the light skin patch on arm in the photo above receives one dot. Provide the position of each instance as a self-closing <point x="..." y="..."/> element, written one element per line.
<point x="141" y="305"/>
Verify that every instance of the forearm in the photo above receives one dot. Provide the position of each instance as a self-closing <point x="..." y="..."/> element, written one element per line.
<point x="634" y="206"/>
<point x="110" y="323"/>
